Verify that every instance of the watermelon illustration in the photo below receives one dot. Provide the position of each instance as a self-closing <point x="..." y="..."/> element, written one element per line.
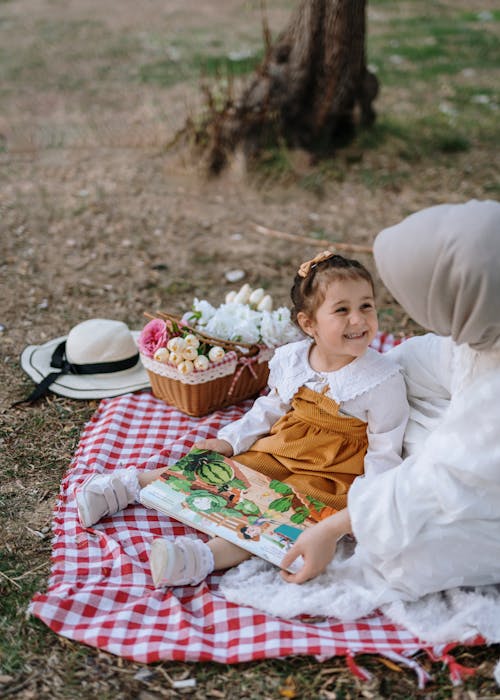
<point x="215" y="473"/>
<point x="197" y="459"/>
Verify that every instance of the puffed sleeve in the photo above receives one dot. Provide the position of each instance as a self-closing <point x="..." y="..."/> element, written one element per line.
<point x="426" y="362"/>
<point x="258" y="421"/>
<point x="387" y="416"/>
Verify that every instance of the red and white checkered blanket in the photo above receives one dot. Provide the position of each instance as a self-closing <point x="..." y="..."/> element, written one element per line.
<point x="100" y="591"/>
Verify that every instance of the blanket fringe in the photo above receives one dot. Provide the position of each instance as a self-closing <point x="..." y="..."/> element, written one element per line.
<point x="458" y="672"/>
<point x="356" y="669"/>
<point x="423" y="677"/>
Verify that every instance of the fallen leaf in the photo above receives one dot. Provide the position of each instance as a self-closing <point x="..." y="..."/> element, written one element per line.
<point x="390" y="664"/>
<point x="289" y="688"/>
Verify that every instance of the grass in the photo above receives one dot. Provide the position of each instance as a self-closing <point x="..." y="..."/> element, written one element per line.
<point x="449" y="61"/>
<point x="22" y="587"/>
<point x="429" y="44"/>
<point x="169" y="72"/>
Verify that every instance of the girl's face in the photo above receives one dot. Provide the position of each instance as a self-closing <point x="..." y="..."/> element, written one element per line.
<point x="343" y="326"/>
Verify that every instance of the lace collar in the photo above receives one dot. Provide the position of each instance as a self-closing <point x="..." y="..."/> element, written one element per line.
<point x="356" y="378"/>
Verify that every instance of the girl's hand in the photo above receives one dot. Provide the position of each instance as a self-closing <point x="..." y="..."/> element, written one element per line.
<point x="223" y="447"/>
<point x="316" y="546"/>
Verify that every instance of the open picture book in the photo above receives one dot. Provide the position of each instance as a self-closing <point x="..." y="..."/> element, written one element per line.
<point x="219" y="496"/>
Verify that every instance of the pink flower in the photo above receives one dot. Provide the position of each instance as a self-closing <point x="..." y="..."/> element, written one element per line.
<point x="153" y="336"/>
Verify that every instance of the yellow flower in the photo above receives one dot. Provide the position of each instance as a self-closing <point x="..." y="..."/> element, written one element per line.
<point x="189" y="353"/>
<point x="201" y="362"/>
<point x="176" y="344"/>
<point x="176" y="358"/>
<point x="161" y="355"/>
<point x="191" y="342"/>
<point x="216" y="353"/>
<point x="185" y="367"/>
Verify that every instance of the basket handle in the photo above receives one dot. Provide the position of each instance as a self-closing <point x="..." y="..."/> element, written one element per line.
<point x="253" y="348"/>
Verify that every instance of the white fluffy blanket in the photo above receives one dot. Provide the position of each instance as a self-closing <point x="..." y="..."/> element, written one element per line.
<point x="460" y="614"/>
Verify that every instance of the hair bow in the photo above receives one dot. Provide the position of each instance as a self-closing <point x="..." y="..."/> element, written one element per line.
<point x="305" y="268"/>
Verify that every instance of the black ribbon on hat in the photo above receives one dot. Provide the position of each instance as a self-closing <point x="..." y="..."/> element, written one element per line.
<point x="60" y="362"/>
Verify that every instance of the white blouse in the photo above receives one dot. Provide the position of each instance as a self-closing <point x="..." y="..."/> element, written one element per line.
<point x="370" y="388"/>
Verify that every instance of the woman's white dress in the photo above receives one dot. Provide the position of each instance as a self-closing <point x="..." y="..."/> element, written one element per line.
<point x="430" y="524"/>
<point x="436" y="522"/>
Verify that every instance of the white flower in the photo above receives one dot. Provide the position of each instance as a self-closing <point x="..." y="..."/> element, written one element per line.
<point x="243" y="295"/>
<point x="256" y="296"/>
<point x="202" y="312"/>
<point x="216" y="354"/>
<point x="235" y="322"/>
<point x="161" y="355"/>
<point x="201" y="362"/>
<point x="277" y="328"/>
<point x="230" y="297"/>
<point x="246" y="331"/>
<point x="221" y="324"/>
<point x="240" y="322"/>
<point x="185" y="367"/>
<point x="265" y="304"/>
<point x="175" y="358"/>
<point x="191" y="341"/>
<point x="189" y="353"/>
<point x="176" y="344"/>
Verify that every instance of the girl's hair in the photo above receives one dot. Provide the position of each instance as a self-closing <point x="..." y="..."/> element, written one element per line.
<point x="308" y="293"/>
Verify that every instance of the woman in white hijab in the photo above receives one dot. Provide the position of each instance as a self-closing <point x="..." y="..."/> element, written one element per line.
<point x="433" y="523"/>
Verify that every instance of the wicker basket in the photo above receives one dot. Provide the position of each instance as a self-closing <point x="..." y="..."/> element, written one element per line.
<point x="242" y="374"/>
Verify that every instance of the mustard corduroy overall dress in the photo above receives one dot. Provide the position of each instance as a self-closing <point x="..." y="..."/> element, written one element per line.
<point x="312" y="448"/>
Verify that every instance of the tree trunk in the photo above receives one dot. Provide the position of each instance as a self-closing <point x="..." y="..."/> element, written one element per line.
<point x="312" y="88"/>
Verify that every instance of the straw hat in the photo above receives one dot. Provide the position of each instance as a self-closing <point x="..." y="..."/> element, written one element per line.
<point x="97" y="359"/>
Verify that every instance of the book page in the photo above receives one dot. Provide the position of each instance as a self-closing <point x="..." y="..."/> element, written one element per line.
<point x="219" y="496"/>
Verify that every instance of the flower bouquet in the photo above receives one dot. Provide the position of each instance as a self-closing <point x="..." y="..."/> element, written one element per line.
<point x="213" y="357"/>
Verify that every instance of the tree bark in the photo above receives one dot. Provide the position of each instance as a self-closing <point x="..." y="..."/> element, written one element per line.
<point x="312" y="89"/>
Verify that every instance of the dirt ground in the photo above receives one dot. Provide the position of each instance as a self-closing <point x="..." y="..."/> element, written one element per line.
<point x="98" y="218"/>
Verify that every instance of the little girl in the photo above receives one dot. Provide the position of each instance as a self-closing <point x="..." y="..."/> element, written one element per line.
<point x="336" y="410"/>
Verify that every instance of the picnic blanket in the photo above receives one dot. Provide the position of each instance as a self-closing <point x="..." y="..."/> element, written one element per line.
<point x="100" y="590"/>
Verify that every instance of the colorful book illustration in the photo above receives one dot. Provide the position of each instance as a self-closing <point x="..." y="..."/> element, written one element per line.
<point x="219" y="496"/>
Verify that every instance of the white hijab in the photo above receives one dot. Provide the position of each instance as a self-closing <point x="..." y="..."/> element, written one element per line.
<point x="442" y="264"/>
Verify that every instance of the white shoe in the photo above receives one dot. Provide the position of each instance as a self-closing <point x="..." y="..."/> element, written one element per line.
<point x="181" y="562"/>
<point x="101" y="495"/>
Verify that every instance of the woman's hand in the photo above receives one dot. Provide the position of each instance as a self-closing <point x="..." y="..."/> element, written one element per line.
<point x="316" y="546"/>
<point x="216" y="445"/>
